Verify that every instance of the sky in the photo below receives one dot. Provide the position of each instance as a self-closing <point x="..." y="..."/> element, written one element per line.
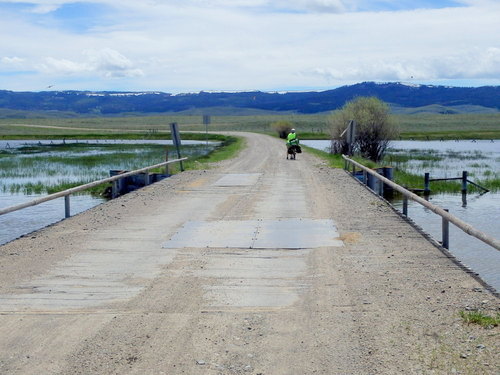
<point x="181" y="46"/>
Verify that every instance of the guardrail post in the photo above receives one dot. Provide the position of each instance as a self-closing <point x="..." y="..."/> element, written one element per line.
<point x="381" y="184"/>
<point x="493" y="242"/>
<point x="116" y="180"/>
<point x="464" y="182"/>
<point x="405" y="205"/>
<point x="427" y="189"/>
<point x="115" y="191"/>
<point x="387" y="189"/>
<point x="446" y="232"/>
<point x="67" y="211"/>
<point x="371" y="182"/>
<point x="365" y="177"/>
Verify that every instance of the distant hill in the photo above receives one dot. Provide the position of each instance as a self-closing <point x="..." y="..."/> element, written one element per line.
<point x="404" y="98"/>
<point x="441" y="109"/>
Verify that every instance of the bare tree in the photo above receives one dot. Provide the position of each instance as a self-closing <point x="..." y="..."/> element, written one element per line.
<point x="374" y="127"/>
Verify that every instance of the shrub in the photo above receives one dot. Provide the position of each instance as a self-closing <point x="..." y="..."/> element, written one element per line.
<point x="374" y="127"/>
<point x="282" y="128"/>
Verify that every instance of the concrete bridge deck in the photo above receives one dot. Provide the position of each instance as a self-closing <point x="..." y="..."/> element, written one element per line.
<point x="260" y="265"/>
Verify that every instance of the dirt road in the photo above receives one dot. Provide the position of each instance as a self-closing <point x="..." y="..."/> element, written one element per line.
<point x="260" y="265"/>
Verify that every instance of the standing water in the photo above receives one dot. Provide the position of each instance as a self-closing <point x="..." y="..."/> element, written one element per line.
<point x="448" y="159"/>
<point x="29" y="168"/>
<point x="18" y="223"/>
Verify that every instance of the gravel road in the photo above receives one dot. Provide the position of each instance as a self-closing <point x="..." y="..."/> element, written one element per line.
<point x="259" y="265"/>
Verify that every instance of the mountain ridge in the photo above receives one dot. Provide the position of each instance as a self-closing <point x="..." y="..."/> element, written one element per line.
<point x="398" y="94"/>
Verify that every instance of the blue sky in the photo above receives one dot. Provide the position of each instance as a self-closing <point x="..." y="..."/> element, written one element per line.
<point x="270" y="45"/>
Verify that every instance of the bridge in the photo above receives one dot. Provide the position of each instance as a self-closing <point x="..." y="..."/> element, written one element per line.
<point x="259" y="265"/>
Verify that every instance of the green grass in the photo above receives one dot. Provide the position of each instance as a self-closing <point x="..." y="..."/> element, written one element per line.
<point x="334" y="161"/>
<point x="416" y="181"/>
<point x="480" y="318"/>
<point x="410" y="165"/>
<point x="437" y="126"/>
<point x="418" y="126"/>
<point x="409" y="156"/>
<point x="412" y="181"/>
<point x="41" y="188"/>
<point x="406" y="179"/>
<point x="228" y="149"/>
<point x="40" y="169"/>
<point x="160" y="124"/>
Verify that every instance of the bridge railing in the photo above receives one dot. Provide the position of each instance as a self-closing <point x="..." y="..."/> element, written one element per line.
<point x="67" y="193"/>
<point x="446" y="216"/>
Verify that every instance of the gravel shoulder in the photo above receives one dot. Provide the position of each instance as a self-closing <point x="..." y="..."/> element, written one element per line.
<point x="101" y="293"/>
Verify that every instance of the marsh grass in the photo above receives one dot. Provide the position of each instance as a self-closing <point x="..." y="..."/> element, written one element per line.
<point x="411" y="165"/>
<point x="398" y="158"/>
<point x="413" y="180"/>
<point x="52" y="168"/>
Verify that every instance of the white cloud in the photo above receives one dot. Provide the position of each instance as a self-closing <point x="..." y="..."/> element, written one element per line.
<point x="326" y="6"/>
<point x="193" y="45"/>
<point x="473" y="64"/>
<point x="62" y="66"/>
<point x="45" y="8"/>
<point x="106" y="62"/>
<point x="12" y="60"/>
<point x="112" y="63"/>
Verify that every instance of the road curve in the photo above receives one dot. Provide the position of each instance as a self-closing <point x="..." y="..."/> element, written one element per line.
<point x="259" y="265"/>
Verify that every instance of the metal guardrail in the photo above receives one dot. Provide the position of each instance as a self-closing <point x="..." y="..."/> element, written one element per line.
<point x="66" y="193"/>
<point x="447" y="217"/>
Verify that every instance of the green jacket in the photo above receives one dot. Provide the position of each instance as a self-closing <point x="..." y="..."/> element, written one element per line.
<point x="292" y="140"/>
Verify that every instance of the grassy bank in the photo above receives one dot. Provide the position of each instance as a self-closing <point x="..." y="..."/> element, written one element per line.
<point x="228" y="149"/>
<point x="334" y="161"/>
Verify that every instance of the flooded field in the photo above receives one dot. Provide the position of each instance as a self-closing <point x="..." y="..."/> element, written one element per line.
<point x="29" y="170"/>
<point x="448" y="159"/>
